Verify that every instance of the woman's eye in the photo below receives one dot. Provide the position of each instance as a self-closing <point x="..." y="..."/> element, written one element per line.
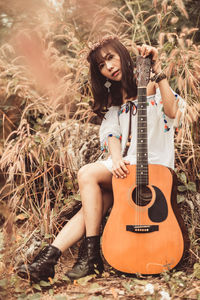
<point x="101" y="66"/>
<point x="110" y="56"/>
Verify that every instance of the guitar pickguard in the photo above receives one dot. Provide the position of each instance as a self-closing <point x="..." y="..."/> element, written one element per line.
<point x="158" y="212"/>
<point x="153" y="198"/>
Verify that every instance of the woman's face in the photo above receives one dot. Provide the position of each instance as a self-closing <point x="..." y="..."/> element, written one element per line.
<point x="110" y="64"/>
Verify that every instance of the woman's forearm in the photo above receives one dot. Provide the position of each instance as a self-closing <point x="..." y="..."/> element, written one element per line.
<point x="119" y="168"/>
<point x="114" y="146"/>
<point x="170" y="104"/>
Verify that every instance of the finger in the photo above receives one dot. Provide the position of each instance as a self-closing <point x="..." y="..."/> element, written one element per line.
<point x="117" y="172"/>
<point x="153" y="52"/>
<point x="120" y="172"/>
<point x="124" y="168"/>
<point x="115" y="175"/>
<point x="118" y="175"/>
<point x="139" y="49"/>
<point x="126" y="162"/>
<point x="147" y="50"/>
<point x="143" y="50"/>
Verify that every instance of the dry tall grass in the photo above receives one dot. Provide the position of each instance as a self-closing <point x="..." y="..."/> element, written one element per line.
<point x="157" y="26"/>
<point x="42" y="94"/>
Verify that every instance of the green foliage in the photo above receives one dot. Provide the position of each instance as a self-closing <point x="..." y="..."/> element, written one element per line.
<point x="187" y="186"/>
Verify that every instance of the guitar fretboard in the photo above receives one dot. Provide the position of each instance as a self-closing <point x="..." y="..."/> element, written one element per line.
<point x="142" y="176"/>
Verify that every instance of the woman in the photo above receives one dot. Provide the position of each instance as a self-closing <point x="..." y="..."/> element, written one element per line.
<point x="113" y="84"/>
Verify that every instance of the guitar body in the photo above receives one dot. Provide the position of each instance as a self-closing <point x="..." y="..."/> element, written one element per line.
<point x="144" y="237"/>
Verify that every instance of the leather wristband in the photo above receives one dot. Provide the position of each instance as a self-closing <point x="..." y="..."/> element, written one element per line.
<point x="158" y="77"/>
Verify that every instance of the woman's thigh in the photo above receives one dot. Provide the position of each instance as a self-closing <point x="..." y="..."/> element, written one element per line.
<point x="95" y="173"/>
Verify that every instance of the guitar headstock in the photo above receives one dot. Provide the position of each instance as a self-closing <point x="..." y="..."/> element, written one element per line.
<point x="143" y="65"/>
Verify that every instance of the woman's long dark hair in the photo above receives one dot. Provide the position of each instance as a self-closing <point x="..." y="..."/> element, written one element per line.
<point x="128" y="82"/>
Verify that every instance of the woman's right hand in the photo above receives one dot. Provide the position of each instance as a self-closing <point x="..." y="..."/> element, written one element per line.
<point x="119" y="169"/>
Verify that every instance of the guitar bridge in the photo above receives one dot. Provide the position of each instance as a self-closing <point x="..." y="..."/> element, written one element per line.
<point x="142" y="228"/>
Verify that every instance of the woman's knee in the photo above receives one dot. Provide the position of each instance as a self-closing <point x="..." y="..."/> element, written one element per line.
<point x="86" y="174"/>
<point x="93" y="173"/>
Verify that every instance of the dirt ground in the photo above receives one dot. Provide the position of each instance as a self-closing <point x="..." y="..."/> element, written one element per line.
<point x="111" y="285"/>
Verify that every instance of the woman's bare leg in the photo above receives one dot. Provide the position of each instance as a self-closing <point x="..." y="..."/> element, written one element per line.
<point x="92" y="178"/>
<point x="95" y="199"/>
<point x="96" y="194"/>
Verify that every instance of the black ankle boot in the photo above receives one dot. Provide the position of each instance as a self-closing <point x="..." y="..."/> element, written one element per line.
<point x="42" y="266"/>
<point x="89" y="259"/>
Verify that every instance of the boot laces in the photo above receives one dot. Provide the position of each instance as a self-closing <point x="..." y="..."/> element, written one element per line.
<point x="42" y="256"/>
<point x="82" y="254"/>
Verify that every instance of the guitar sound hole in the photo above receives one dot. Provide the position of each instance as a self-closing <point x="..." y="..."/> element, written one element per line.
<point x="142" y="195"/>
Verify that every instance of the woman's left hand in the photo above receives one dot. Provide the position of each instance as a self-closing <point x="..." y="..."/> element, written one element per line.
<point x="146" y="50"/>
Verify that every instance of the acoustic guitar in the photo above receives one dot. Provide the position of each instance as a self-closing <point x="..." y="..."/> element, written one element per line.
<point x="144" y="232"/>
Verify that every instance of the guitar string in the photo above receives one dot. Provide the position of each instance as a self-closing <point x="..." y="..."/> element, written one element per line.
<point x="141" y="163"/>
<point x="142" y="109"/>
<point x="137" y="186"/>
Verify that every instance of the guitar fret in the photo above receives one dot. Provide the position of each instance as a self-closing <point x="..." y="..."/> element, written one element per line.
<point x="141" y="98"/>
<point x="142" y="172"/>
<point x="142" y="175"/>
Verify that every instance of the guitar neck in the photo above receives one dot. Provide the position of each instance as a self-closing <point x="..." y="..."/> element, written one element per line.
<point x="142" y="176"/>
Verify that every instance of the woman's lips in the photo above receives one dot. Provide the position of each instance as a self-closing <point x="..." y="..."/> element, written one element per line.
<point x="116" y="73"/>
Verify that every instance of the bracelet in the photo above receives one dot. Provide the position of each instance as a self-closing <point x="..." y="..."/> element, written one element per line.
<point x="158" y="77"/>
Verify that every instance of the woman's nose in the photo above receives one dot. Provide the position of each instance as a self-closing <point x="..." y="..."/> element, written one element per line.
<point x="109" y="65"/>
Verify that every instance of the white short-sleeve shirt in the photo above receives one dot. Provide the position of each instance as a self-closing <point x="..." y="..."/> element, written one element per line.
<point x="160" y="131"/>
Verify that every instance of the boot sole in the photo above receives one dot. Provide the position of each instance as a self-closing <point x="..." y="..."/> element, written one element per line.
<point x="31" y="277"/>
<point x="98" y="274"/>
